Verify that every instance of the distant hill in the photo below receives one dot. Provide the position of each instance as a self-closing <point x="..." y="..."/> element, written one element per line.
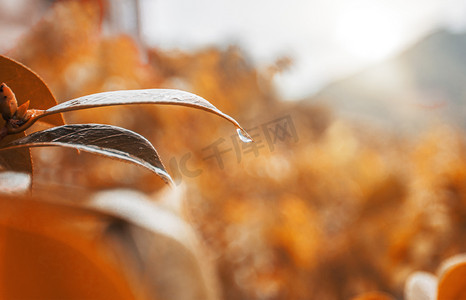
<point x="426" y="83"/>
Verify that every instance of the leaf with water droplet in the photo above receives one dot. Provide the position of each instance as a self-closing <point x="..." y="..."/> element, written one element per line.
<point x="106" y="140"/>
<point x="244" y="136"/>
<point x="147" y="96"/>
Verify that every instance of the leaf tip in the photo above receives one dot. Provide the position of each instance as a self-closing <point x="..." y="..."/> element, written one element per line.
<point x="244" y="136"/>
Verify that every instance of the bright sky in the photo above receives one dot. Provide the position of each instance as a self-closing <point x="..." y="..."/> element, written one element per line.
<point x="327" y="39"/>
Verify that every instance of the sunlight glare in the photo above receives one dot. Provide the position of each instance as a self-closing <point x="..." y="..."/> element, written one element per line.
<point x="368" y="33"/>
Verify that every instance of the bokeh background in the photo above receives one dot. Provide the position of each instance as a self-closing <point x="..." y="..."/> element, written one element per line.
<point x="357" y="177"/>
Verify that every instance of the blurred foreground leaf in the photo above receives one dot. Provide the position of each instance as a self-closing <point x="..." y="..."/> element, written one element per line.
<point x="452" y="275"/>
<point x="52" y="251"/>
<point x="421" y="286"/>
<point x="110" y="141"/>
<point x="156" y="245"/>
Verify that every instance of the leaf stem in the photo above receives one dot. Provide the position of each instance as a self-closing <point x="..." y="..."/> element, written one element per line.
<point x="13" y="128"/>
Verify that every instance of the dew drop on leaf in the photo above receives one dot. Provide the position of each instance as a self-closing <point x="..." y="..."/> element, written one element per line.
<point x="243" y="136"/>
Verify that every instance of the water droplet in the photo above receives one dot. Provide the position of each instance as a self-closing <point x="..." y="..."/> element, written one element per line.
<point x="244" y="136"/>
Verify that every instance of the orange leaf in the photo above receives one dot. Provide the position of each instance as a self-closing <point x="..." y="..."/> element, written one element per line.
<point x="27" y="85"/>
<point x="53" y="250"/>
<point x="452" y="276"/>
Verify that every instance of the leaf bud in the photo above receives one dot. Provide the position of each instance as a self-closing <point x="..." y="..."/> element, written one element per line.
<point x="22" y="112"/>
<point x="8" y="103"/>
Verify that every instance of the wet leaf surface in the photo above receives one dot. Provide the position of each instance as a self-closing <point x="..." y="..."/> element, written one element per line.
<point x="106" y="140"/>
<point x="147" y="96"/>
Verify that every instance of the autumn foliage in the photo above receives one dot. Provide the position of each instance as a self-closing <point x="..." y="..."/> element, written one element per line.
<point x="317" y="208"/>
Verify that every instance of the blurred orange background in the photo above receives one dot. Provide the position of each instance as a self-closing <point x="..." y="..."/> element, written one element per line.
<point x="347" y="191"/>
